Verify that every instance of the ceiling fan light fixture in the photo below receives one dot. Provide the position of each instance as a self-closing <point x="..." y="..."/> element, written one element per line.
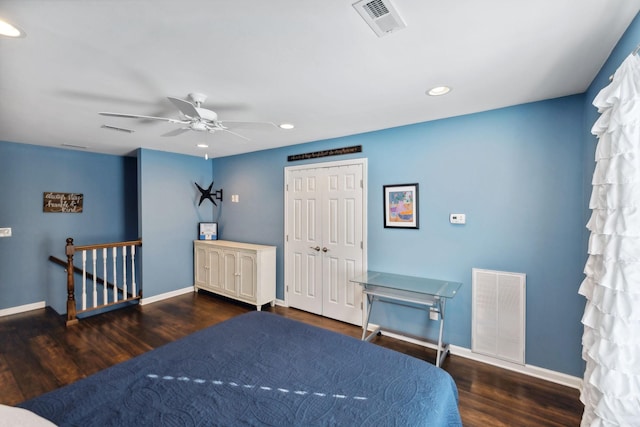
<point x="286" y="126"/>
<point x="10" y="30"/>
<point x="193" y="117"/>
<point x="439" y="91"/>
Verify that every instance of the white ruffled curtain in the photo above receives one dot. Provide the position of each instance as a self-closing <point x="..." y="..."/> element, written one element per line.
<point x="611" y="338"/>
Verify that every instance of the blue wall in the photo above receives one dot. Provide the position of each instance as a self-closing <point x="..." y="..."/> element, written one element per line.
<point x="165" y="215"/>
<point x="516" y="173"/>
<point x="27" y="171"/>
<point x="169" y="216"/>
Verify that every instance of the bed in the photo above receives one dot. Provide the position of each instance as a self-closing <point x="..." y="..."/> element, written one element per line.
<point x="259" y="369"/>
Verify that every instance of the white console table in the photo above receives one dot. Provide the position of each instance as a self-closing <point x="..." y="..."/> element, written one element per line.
<point x="242" y="271"/>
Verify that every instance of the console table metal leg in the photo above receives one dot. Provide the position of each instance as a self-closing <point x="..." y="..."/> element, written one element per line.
<point x="442" y="351"/>
<point x="365" y="326"/>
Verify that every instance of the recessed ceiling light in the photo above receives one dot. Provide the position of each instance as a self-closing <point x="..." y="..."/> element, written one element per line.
<point x="286" y="126"/>
<point x="439" y="90"/>
<point x="202" y="145"/>
<point x="10" y="30"/>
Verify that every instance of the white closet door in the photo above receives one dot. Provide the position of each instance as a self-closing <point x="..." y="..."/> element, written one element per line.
<point x="303" y="260"/>
<point x="342" y="240"/>
<point x="325" y="240"/>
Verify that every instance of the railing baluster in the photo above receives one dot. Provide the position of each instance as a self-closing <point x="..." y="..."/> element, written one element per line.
<point x="124" y="273"/>
<point x="114" y="255"/>
<point x="105" y="296"/>
<point x="94" y="254"/>
<point x="133" y="270"/>
<point x="84" y="280"/>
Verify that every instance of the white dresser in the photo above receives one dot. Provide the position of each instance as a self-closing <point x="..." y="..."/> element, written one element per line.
<point x="242" y="271"/>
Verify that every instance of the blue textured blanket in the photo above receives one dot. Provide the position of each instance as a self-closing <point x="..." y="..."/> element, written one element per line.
<point x="259" y="369"/>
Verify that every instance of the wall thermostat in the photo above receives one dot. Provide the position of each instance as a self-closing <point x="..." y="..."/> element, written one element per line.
<point x="457" y="218"/>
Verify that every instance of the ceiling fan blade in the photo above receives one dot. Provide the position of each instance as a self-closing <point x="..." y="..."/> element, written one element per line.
<point x="185" y="107"/>
<point x="247" y="125"/>
<point x="233" y="133"/>
<point x="137" y="116"/>
<point x="176" y="132"/>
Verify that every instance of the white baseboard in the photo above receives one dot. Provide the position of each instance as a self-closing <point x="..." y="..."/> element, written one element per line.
<point x="167" y="295"/>
<point x="22" y="308"/>
<point x="281" y="303"/>
<point x="533" y="371"/>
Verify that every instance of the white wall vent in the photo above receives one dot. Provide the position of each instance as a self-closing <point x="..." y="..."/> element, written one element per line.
<point x="498" y="314"/>
<point x="381" y="15"/>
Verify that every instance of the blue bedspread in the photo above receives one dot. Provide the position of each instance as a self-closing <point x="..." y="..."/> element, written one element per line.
<point x="259" y="369"/>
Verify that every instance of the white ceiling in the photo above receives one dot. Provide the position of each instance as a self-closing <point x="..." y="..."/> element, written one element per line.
<point x="315" y="64"/>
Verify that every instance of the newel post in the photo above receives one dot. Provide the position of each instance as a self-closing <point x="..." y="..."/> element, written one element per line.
<point x="71" y="297"/>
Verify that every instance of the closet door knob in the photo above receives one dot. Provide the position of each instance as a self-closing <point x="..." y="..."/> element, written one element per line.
<point x="324" y="249"/>
<point x="317" y="248"/>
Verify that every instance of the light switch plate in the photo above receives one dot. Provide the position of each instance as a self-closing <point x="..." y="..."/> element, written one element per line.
<point x="5" y="232"/>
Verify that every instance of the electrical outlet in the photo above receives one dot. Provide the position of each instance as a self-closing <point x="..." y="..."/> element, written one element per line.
<point x="433" y="314"/>
<point x="5" y="232"/>
<point x="457" y="218"/>
<point x="235" y="198"/>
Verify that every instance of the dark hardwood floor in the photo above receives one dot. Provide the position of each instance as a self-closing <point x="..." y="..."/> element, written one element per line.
<point x="38" y="354"/>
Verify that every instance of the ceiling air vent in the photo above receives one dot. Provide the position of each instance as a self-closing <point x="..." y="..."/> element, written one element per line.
<point x="381" y="16"/>
<point x="116" y="128"/>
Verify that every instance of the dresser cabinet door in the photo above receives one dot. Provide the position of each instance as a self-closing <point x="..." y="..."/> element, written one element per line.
<point x="230" y="273"/>
<point x="202" y="270"/>
<point x="247" y="278"/>
<point x="215" y="258"/>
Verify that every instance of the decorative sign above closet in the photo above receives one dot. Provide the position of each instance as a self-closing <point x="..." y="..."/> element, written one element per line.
<point x="325" y="153"/>
<point x="62" y="202"/>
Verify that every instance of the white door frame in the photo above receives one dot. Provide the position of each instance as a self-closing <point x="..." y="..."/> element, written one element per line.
<point x="359" y="161"/>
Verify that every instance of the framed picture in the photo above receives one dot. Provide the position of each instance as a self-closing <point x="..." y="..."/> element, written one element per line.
<point x="400" y="206"/>
<point x="208" y="231"/>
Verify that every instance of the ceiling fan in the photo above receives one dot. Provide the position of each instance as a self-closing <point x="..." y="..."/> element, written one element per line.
<point x="194" y="117"/>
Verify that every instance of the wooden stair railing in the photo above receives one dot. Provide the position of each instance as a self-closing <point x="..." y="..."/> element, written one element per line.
<point x="78" y="270"/>
<point x="112" y="294"/>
